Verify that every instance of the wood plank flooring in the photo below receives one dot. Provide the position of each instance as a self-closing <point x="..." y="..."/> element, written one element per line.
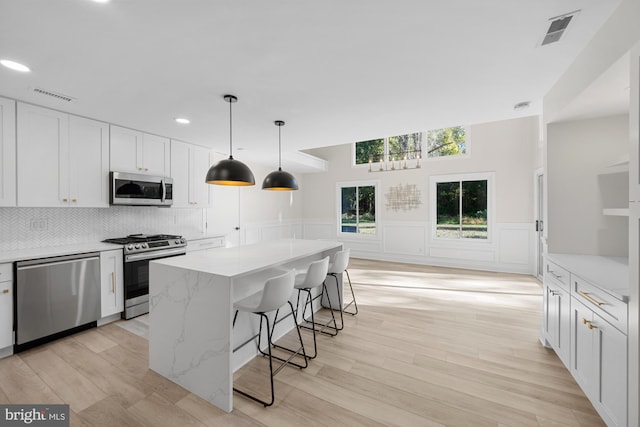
<point x="430" y="347"/>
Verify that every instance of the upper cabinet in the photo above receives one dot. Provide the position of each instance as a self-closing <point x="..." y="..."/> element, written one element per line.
<point x="7" y="152"/>
<point x="189" y="166"/>
<point x="138" y="152"/>
<point x="63" y="160"/>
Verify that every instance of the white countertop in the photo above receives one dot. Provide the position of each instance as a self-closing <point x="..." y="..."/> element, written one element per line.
<point x="610" y="274"/>
<point x="239" y="260"/>
<point x="50" y="251"/>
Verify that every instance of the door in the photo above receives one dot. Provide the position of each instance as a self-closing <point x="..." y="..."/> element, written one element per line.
<point x="539" y="224"/>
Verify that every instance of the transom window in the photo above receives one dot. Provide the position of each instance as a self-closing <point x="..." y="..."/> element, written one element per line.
<point x="432" y="143"/>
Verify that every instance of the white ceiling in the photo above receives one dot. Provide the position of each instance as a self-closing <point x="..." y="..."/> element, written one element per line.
<point x="335" y="71"/>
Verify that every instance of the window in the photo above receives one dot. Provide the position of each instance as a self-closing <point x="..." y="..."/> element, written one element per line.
<point x="446" y="142"/>
<point x="369" y="150"/>
<point x="358" y="208"/>
<point x="439" y="143"/>
<point x="462" y="207"/>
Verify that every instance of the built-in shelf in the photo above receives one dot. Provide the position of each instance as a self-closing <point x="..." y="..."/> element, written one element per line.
<point x="616" y="212"/>
<point x="619" y="165"/>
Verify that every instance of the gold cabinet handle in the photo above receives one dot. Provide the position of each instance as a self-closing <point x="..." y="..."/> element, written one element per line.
<point x="589" y="324"/>
<point x="113" y="282"/>
<point x="74" y="200"/>
<point x="146" y="169"/>
<point x="140" y="169"/>
<point x="590" y="298"/>
<point x="5" y="291"/>
<point x="65" y="200"/>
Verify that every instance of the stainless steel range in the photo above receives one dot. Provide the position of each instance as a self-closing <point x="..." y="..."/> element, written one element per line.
<point x="139" y="249"/>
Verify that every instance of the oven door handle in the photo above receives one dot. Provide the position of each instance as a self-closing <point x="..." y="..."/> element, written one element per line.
<point x="154" y="254"/>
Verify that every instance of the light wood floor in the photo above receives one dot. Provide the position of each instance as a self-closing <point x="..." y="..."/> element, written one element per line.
<point x="430" y="347"/>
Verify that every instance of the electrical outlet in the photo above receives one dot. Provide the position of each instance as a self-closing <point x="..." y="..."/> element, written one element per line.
<point x="39" y="224"/>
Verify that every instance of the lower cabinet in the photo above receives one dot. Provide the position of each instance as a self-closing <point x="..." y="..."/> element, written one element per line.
<point x="6" y="306"/>
<point x="112" y="282"/>
<point x="586" y="326"/>
<point x="557" y="328"/>
<point x="599" y="363"/>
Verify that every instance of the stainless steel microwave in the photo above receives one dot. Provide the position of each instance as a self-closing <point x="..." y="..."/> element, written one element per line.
<point x="140" y="190"/>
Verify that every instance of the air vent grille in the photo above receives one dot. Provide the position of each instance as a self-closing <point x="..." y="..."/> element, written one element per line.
<point x="557" y="27"/>
<point x="54" y="95"/>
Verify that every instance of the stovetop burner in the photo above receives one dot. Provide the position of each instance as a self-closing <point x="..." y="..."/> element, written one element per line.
<point x="135" y="243"/>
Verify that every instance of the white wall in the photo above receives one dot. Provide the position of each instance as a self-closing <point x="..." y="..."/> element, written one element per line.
<point x="507" y="148"/>
<point x="579" y="189"/>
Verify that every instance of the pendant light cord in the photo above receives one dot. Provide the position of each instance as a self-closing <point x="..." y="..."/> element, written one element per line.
<point x="230" y="131"/>
<point x="279" y="148"/>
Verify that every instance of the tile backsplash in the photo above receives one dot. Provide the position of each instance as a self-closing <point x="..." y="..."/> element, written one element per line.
<point x="24" y="228"/>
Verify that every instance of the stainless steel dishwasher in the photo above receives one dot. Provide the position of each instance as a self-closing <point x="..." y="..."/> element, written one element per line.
<point x="56" y="296"/>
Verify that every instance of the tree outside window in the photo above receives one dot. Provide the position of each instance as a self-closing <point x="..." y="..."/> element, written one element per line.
<point x="461" y="210"/>
<point x="372" y="150"/>
<point x="433" y="143"/>
<point x="446" y="142"/>
<point x="405" y="146"/>
<point x="358" y="211"/>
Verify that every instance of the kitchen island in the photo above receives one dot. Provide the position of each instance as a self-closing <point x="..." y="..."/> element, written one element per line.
<point x="191" y="338"/>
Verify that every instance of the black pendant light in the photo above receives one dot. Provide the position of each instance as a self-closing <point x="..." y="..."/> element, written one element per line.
<point x="230" y="171"/>
<point x="279" y="180"/>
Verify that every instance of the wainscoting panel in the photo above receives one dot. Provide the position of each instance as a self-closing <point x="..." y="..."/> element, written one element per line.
<point x="515" y="244"/>
<point x="405" y="239"/>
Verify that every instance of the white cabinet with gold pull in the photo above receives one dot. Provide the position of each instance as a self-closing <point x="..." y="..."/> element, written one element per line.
<point x="63" y="160"/>
<point x="189" y="166"/>
<point x="594" y="290"/>
<point x="111" y="281"/>
<point x="138" y="152"/>
<point x="6" y="309"/>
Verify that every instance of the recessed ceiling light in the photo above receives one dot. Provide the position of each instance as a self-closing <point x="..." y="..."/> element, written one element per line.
<point x="16" y="66"/>
<point x="183" y="121"/>
<point x="101" y="1"/>
<point x="522" y="105"/>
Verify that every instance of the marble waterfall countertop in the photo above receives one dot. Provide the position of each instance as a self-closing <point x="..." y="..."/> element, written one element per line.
<point x="191" y="338"/>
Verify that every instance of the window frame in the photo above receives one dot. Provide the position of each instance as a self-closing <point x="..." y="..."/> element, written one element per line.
<point x="424" y="157"/>
<point x="360" y="183"/>
<point x="433" y="207"/>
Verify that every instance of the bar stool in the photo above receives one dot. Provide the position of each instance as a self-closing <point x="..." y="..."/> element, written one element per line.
<point x="338" y="266"/>
<point x="276" y="293"/>
<point x="313" y="278"/>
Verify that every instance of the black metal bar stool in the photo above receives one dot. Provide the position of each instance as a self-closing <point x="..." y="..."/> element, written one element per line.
<point x="276" y="293"/>
<point x="338" y="266"/>
<point x="305" y="282"/>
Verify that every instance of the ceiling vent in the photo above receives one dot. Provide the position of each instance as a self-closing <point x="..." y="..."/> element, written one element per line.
<point x="557" y="27"/>
<point x="58" y="96"/>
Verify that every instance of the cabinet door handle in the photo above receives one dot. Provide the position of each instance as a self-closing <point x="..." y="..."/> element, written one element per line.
<point x="590" y="298"/>
<point x="5" y="291"/>
<point x="74" y="200"/>
<point x="589" y="324"/>
<point x="554" y="293"/>
<point x="554" y="274"/>
<point x="113" y="282"/>
<point x="65" y="200"/>
<point x="146" y="169"/>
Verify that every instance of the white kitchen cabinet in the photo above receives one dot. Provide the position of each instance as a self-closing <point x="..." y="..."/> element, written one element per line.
<point x="62" y="159"/>
<point x="7" y="152"/>
<point x="556" y="309"/>
<point x="112" y="282"/>
<point x="138" y="152"/>
<point x="189" y="166"/>
<point x="6" y="306"/>
<point x="599" y="363"/>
